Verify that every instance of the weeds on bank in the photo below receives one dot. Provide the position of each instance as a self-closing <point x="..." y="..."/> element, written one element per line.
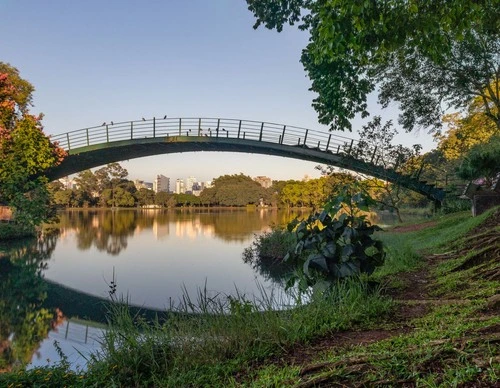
<point x="210" y="341"/>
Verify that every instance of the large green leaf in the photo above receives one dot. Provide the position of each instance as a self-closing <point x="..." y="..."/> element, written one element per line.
<point x="329" y="249"/>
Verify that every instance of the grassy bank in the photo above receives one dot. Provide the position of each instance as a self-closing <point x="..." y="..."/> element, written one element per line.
<point x="445" y="326"/>
<point x="435" y="322"/>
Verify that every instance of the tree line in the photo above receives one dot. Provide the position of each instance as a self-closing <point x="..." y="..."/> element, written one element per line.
<point x="109" y="187"/>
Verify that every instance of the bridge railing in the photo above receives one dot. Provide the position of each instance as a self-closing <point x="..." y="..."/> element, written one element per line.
<point x="210" y="127"/>
<point x="224" y="128"/>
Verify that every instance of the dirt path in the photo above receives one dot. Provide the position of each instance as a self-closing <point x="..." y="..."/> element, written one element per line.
<point x="413" y="301"/>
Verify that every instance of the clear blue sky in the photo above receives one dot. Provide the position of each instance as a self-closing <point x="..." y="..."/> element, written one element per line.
<point x="101" y="60"/>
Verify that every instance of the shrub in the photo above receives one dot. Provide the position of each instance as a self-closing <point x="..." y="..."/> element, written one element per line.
<point x="331" y="248"/>
<point x="267" y="251"/>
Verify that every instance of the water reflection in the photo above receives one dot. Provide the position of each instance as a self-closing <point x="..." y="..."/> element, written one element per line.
<point x="109" y="231"/>
<point x="61" y="275"/>
<point x="23" y="320"/>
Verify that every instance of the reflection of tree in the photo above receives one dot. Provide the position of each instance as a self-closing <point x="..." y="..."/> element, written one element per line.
<point x="273" y="270"/>
<point x="109" y="230"/>
<point x="106" y="230"/>
<point x="23" y="322"/>
<point x="240" y="225"/>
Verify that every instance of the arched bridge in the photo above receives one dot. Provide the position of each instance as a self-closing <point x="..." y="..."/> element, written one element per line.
<point x="113" y="142"/>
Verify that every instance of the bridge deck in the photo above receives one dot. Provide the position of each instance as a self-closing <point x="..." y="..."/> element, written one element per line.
<point x="95" y="146"/>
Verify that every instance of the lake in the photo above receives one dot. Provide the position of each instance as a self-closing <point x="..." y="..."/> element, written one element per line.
<point x="152" y="257"/>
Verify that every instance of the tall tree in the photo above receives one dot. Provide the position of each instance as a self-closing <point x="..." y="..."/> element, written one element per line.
<point x="25" y="151"/>
<point x="465" y="131"/>
<point x="425" y="55"/>
<point x="377" y="137"/>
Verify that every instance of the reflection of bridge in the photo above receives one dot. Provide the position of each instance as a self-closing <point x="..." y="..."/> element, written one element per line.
<point x="96" y="146"/>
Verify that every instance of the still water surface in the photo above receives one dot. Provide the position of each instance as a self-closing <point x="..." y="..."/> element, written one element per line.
<point x="150" y="254"/>
<point x="154" y="254"/>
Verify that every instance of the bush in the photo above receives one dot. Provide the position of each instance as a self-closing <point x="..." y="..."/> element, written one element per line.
<point x="331" y="248"/>
<point x="454" y="205"/>
<point x="266" y="253"/>
<point x="11" y="230"/>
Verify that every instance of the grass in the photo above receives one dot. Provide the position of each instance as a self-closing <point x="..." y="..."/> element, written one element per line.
<point x="454" y="344"/>
<point x="236" y="342"/>
<point x="212" y="341"/>
<point x="446" y="348"/>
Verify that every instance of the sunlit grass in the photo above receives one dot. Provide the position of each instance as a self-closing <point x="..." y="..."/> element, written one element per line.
<point x="210" y="339"/>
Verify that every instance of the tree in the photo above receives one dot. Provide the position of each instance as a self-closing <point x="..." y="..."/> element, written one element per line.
<point x="15" y="96"/>
<point x="377" y="138"/>
<point x="63" y="197"/>
<point x="162" y="198"/>
<point x="465" y="131"/>
<point x="207" y="196"/>
<point x="291" y="194"/>
<point x="109" y="178"/>
<point x="426" y="55"/>
<point x="87" y="186"/>
<point x="236" y="190"/>
<point x="122" y="198"/>
<point x="25" y="152"/>
<point x="145" y="197"/>
<point x="482" y="161"/>
<point x="186" y="200"/>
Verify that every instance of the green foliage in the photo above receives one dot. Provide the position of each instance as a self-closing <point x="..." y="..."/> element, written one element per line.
<point x="333" y="248"/>
<point x="358" y="47"/>
<point x="482" y="161"/>
<point x="375" y="141"/>
<point x="23" y="321"/>
<point x="235" y="190"/>
<point x="186" y="200"/>
<point x="454" y="205"/>
<point x="267" y="251"/>
<point x="11" y="231"/>
<point x="145" y="197"/>
<point x="15" y="95"/>
<point x="25" y="152"/>
<point x="313" y="192"/>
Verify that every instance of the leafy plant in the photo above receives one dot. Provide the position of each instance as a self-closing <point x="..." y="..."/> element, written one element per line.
<point x="337" y="242"/>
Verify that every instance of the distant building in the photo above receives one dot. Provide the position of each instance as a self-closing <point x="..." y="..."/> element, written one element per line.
<point x="68" y="183"/>
<point x="143" y="185"/>
<point x="264" y="181"/>
<point x="197" y="188"/>
<point x="179" y="186"/>
<point x="161" y="183"/>
<point x="189" y="184"/>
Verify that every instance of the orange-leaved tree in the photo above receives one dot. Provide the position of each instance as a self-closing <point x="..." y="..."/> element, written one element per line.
<point x="25" y="152"/>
